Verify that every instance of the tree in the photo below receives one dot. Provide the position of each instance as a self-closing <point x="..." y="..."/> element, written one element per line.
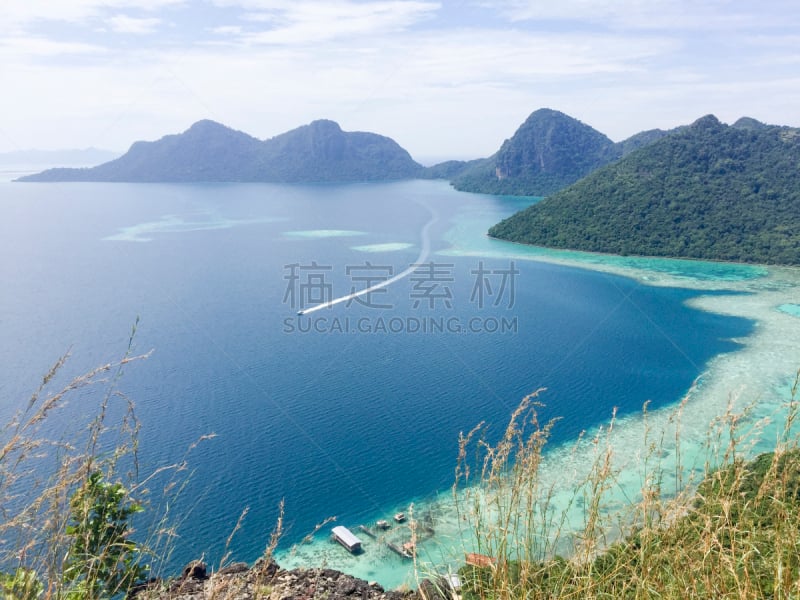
<point x="101" y="561"/>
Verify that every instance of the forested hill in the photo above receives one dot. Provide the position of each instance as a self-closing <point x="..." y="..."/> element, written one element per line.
<point x="209" y="151"/>
<point x="707" y="191"/>
<point x="549" y="151"/>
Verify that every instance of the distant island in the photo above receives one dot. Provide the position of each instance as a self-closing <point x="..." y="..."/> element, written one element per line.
<point x="211" y="152"/>
<point x="548" y="152"/>
<point x="707" y="191"/>
<point x="704" y="191"/>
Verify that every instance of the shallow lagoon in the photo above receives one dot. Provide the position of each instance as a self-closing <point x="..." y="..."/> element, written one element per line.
<point x="758" y="378"/>
<point x="343" y="422"/>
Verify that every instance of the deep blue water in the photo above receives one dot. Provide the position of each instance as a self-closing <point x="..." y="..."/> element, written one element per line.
<point x="336" y="421"/>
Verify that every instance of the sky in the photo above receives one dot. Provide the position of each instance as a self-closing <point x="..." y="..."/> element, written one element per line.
<point x="445" y="79"/>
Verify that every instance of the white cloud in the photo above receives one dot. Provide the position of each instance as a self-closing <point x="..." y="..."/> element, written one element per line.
<point x="21" y="49"/>
<point x="133" y="25"/>
<point x="774" y="50"/>
<point x="26" y="11"/>
<point x="398" y="68"/>
<point x="20" y="17"/>
<point x="303" y="22"/>
<point x="707" y="15"/>
<point x="226" y="30"/>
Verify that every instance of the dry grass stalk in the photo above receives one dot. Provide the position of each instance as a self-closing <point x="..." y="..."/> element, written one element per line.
<point x="731" y="532"/>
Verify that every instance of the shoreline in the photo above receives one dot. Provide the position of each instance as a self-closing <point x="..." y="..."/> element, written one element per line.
<point x="601" y="254"/>
<point x="755" y="375"/>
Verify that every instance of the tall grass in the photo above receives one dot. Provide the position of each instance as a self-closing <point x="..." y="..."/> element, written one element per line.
<point x="68" y="499"/>
<point x="728" y="529"/>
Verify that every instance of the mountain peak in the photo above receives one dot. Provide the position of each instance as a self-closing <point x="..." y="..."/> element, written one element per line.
<point x="325" y="125"/>
<point x="207" y="124"/>
<point x="546" y="113"/>
<point x="547" y="152"/>
<point x="749" y="123"/>
<point x="708" y="122"/>
<point x="205" y="127"/>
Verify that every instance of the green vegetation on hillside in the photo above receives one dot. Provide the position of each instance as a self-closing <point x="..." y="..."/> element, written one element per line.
<point x="549" y="151"/>
<point x="708" y="191"/>
<point x="449" y="169"/>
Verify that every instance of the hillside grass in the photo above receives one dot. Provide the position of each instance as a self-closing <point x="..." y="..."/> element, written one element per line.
<point x="732" y="531"/>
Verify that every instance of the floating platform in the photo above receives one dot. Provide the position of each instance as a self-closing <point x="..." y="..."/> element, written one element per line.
<point x="367" y="531"/>
<point x="401" y="551"/>
<point x="347" y="539"/>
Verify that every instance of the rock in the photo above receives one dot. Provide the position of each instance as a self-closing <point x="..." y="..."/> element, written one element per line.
<point x="266" y="570"/>
<point x="140" y="588"/>
<point x="234" y="569"/>
<point x="266" y="581"/>
<point x="195" y="570"/>
<point x="435" y="590"/>
<point x="345" y="587"/>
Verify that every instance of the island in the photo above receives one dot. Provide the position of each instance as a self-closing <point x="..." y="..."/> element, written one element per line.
<point x="707" y="191"/>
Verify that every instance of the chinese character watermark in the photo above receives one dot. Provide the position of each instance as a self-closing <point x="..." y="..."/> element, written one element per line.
<point x="506" y="286"/>
<point x="430" y="283"/>
<point x="369" y="276"/>
<point x="314" y="289"/>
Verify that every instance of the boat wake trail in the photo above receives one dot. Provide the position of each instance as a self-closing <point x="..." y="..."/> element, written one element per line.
<point x="425" y="247"/>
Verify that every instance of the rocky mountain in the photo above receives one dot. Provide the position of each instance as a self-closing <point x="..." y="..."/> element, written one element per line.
<point x="209" y="151"/>
<point x="549" y="151"/>
<point x="321" y="151"/>
<point x="707" y="191"/>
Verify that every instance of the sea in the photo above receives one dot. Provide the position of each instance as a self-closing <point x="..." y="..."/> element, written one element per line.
<point x="267" y="396"/>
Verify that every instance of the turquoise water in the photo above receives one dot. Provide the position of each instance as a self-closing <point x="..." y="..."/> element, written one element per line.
<point x="353" y="411"/>
<point x="790" y="309"/>
<point x="468" y="237"/>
